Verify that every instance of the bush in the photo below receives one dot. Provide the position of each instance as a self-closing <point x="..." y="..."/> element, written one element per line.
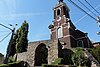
<point x="11" y="59"/>
<point x="57" y="61"/>
<point x="95" y="52"/>
<point x="3" y="65"/>
<point x="78" y="57"/>
<point x="15" y="64"/>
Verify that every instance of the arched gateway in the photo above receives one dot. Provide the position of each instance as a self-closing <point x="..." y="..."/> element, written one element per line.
<point x="41" y="54"/>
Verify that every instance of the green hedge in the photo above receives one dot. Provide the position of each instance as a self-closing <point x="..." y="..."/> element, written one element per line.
<point x="3" y="65"/>
<point x="10" y="64"/>
<point x="15" y="64"/>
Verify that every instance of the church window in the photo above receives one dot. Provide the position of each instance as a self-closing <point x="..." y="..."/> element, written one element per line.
<point x="80" y="43"/>
<point x="60" y="32"/>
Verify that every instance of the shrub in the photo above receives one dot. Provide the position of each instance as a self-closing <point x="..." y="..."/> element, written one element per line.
<point x="3" y="65"/>
<point x="95" y="52"/>
<point x="57" y="61"/>
<point x="15" y="64"/>
<point x="11" y="59"/>
<point x="78" y="57"/>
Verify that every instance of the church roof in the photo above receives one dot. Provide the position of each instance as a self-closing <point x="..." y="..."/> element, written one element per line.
<point x="79" y="33"/>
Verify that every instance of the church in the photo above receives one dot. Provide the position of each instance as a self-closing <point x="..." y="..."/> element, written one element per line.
<point x="64" y="30"/>
<point x="63" y="35"/>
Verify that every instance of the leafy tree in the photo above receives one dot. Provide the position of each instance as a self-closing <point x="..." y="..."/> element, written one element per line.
<point x="95" y="52"/>
<point x="21" y="38"/>
<point x="20" y="41"/>
<point x="78" y="57"/>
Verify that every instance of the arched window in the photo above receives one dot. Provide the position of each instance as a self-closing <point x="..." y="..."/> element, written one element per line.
<point x="58" y="12"/>
<point x="80" y="43"/>
<point x="60" y="32"/>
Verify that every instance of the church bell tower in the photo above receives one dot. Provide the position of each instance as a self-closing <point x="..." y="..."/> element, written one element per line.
<point x="62" y="27"/>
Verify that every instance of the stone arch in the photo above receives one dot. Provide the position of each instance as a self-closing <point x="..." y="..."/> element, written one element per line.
<point x="41" y="54"/>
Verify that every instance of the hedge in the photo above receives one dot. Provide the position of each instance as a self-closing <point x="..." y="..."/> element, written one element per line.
<point x="15" y="64"/>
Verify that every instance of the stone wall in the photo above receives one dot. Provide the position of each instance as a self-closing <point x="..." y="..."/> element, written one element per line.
<point x="29" y="56"/>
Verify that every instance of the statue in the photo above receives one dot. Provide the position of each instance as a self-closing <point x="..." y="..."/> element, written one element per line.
<point x="60" y="0"/>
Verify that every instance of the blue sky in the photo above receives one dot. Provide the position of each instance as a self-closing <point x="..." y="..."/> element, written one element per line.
<point x="39" y="14"/>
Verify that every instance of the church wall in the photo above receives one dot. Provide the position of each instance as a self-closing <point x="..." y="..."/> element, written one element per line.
<point x="53" y="36"/>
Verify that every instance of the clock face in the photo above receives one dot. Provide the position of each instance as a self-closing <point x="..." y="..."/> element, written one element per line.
<point x="58" y="18"/>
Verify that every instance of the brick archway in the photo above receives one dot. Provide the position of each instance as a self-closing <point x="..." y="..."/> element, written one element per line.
<point x="41" y="54"/>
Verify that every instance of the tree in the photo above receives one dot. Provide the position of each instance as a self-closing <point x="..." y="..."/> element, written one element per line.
<point x="21" y="38"/>
<point x="20" y="41"/>
<point x="78" y="57"/>
<point x="95" y="52"/>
